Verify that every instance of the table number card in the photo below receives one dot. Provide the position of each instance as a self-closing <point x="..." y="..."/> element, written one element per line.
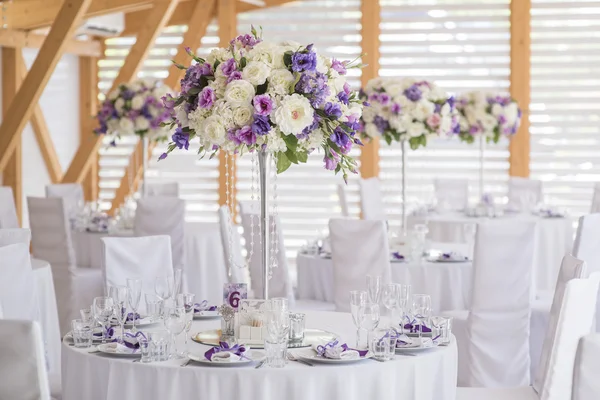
<point x="233" y="293"/>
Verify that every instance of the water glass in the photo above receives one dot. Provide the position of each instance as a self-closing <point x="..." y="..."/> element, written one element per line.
<point x="159" y="345"/>
<point x="278" y="321"/>
<point x="82" y="333"/>
<point x="145" y="350"/>
<point x="134" y="297"/>
<point x="86" y="315"/>
<point x="297" y="326"/>
<point x="374" y="288"/>
<point x="102" y="308"/>
<point x="276" y="353"/>
<point x="358" y="301"/>
<point x="441" y="328"/>
<point x="175" y="320"/>
<point x="390" y="298"/>
<point x="372" y="317"/>
<point x="421" y="310"/>
<point x="383" y="344"/>
<point x="153" y="306"/>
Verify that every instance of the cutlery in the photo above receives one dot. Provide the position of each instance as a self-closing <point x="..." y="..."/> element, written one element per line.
<point x="291" y="357"/>
<point x="186" y="363"/>
<point x="136" y="360"/>
<point x="260" y="364"/>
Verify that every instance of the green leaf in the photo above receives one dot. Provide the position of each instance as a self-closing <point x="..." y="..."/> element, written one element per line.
<point x="287" y="58"/>
<point x="193" y="91"/>
<point x="217" y="63"/>
<point x="178" y="65"/>
<point x="414" y="142"/>
<point x="243" y="62"/>
<point x="282" y="162"/>
<point x="291" y="156"/>
<point x="179" y="100"/>
<point x="388" y="139"/>
<point x="291" y="141"/>
<point x="302" y="156"/>
<point x="262" y="89"/>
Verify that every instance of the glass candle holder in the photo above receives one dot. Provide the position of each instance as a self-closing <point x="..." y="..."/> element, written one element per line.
<point x="297" y="326"/>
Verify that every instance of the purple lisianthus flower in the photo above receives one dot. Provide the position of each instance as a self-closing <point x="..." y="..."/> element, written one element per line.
<point x="206" y="98"/>
<point x="162" y="156"/>
<point x="353" y="122"/>
<point x="263" y="105"/>
<point x="413" y="93"/>
<point x="304" y="61"/>
<point x="333" y="110"/>
<point x="501" y="119"/>
<point x="339" y="137"/>
<point x="127" y="94"/>
<point x="338" y="66"/>
<point x="306" y="131"/>
<point x="181" y="139"/>
<point x="381" y="123"/>
<point x="437" y="108"/>
<point x="347" y="88"/>
<point x="331" y="162"/>
<point x="206" y="69"/>
<point x="168" y="101"/>
<point x="384" y="98"/>
<point x="246" y="41"/>
<point x="374" y="97"/>
<point x="343" y="98"/>
<point x="231" y="135"/>
<point x="245" y="135"/>
<point x="228" y="67"/>
<point x="235" y="76"/>
<point x="261" y="125"/>
<point x="474" y="129"/>
<point x="395" y="108"/>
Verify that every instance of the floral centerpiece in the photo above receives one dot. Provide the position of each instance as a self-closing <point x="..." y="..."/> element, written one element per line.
<point x="407" y="109"/>
<point x="489" y="115"/>
<point x="284" y="98"/>
<point x="135" y="108"/>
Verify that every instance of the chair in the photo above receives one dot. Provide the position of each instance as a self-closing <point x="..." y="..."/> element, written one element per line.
<point x="22" y="361"/>
<point x="163" y="216"/>
<point x="586" y="385"/>
<point x="14" y="236"/>
<point x="51" y="241"/>
<point x="8" y="211"/>
<point x="72" y="193"/>
<point x="343" y="198"/>
<point x="554" y="380"/>
<point x="371" y="200"/>
<point x="169" y="189"/>
<point x="142" y="258"/>
<point x="522" y="190"/>
<point x="18" y="294"/>
<point x="232" y="247"/>
<point x="358" y="248"/>
<point x="454" y="192"/>
<point x="596" y="199"/>
<point x="493" y="336"/>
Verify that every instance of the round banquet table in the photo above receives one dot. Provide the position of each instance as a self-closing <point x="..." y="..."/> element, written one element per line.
<point x="430" y="375"/>
<point x="448" y="284"/>
<point x="554" y="240"/>
<point x="205" y="270"/>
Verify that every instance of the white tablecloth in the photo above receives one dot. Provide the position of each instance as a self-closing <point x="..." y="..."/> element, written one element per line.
<point x="428" y="376"/>
<point x="48" y="313"/>
<point x="554" y="241"/>
<point x="205" y="270"/>
<point x="449" y="284"/>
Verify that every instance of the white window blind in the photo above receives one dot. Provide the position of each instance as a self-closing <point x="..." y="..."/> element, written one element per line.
<point x="565" y="100"/>
<point x="461" y="45"/>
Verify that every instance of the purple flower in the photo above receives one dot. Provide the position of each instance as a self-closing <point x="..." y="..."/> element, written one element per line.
<point x="381" y="123"/>
<point x="374" y="97"/>
<point x="245" y="135"/>
<point x="343" y="98"/>
<point x="353" y="122"/>
<point x="338" y="66"/>
<point x="331" y="162"/>
<point x="228" y="67"/>
<point x="413" y="93"/>
<point x="501" y="119"/>
<point x="314" y="86"/>
<point x="247" y="41"/>
<point x="384" y="98"/>
<point x="232" y="135"/>
<point x="206" y="98"/>
<point x="263" y="105"/>
<point x="127" y="94"/>
<point x="304" y="61"/>
<point x="474" y="129"/>
<point x="261" y="125"/>
<point x="181" y="139"/>
<point x="235" y="75"/>
<point x="206" y="69"/>
<point x="306" y="131"/>
<point x="437" y="108"/>
<point x="347" y="88"/>
<point x="339" y="137"/>
<point x="395" y="108"/>
<point x="333" y="110"/>
<point x="163" y="156"/>
<point x="168" y="101"/>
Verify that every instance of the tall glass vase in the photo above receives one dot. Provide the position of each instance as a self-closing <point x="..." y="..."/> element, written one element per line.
<point x="264" y="160"/>
<point x="144" y="140"/>
<point x="403" y="147"/>
<point x="481" y="155"/>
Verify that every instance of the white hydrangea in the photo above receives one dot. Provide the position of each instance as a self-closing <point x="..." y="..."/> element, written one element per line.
<point x="137" y="102"/>
<point x="212" y="131"/>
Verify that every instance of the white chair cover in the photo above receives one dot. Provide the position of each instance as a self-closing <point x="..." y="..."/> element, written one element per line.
<point x="518" y="188"/>
<point x="232" y="247"/>
<point x="371" y="200"/>
<point x="18" y="295"/>
<point x="163" y="216"/>
<point x="358" y="248"/>
<point x="8" y="212"/>
<point x="13" y="236"/>
<point x="596" y="199"/>
<point x="569" y="322"/>
<point x="586" y="385"/>
<point x="142" y="258"/>
<point x="454" y="192"/>
<point x="51" y="241"/>
<point x="343" y="198"/>
<point x="169" y="189"/>
<point x="23" y="374"/>
<point x="72" y="193"/>
<point x="494" y="342"/>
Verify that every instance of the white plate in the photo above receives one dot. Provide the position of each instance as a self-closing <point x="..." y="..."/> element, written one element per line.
<point x="311" y="355"/>
<point x="145" y="321"/>
<point x="112" y="349"/>
<point x="206" y="315"/>
<point x="442" y="260"/>
<point x="254" y="356"/>
<point x="415" y="347"/>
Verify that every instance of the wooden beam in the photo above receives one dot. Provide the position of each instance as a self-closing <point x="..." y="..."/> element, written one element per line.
<point x="520" y="83"/>
<point x="135" y="58"/>
<point x="13" y="38"/>
<point x="21" y="107"/>
<point x="370" y="43"/>
<point x="12" y="175"/>
<point x="244" y="6"/>
<point x="42" y="133"/>
<point x="88" y="108"/>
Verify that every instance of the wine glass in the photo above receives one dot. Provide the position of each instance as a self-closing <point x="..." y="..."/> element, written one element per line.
<point x="177" y="281"/>
<point x="102" y="308"/>
<point x="421" y="310"/>
<point x="403" y="302"/>
<point x="163" y="287"/>
<point x="372" y="317"/>
<point x="374" y="288"/>
<point x="186" y="300"/>
<point x="119" y="295"/>
<point x="135" y="294"/>
<point x="358" y="301"/>
<point x="389" y="295"/>
<point x="175" y="320"/>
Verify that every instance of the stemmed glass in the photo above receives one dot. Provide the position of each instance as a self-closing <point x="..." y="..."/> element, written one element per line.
<point x="120" y="295"/>
<point x="102" y="308"/>
<point x="372" y="317"/>
<point x="163" y="287"/>
<point x="175" y="319"/>
<point x="374" y="288"/>
<point x="390" y="297"/>
<point x="135" y="294"/>
<point x="403" y="303"/>
<point x="421" y="310"/>
<point x="177" y="282"/>
<point x="358" y="301"/>
<point x="186" y="300"/>
<point x="469" y="231"/>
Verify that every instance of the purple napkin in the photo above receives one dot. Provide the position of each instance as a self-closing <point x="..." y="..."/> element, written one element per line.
<point x="132" y="341"/>
<point x="237" y="349"/>
<point x="108" y="330"/>
<point x="412" y="327"/>
<point x="203" y="306"/>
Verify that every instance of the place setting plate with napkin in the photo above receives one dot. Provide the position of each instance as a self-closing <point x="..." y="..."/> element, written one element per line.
<point x="202" y="311"/>
<point x="333" y="352"/>
<point x="404" y="343"/>
<point x="446" y="257"/>
<point x="139" y="322"/>
<point x="227" y="356"/>
<point x="128" y="348"/>
<point x="96" y="336"/>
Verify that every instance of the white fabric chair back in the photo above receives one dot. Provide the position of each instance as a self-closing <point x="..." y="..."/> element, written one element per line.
<point x="343" y="198"/>
<point x="169" y="189"/>
<point x="72" y="193"/>
<point x="596" y="199"/>
<point x="519" y="189"/>
<point x="586" y="385"/>
<point x="232" y="247"/>
<point x="249" y="207"/>
<point x="23" y="374"/>
<point x="453" y="192"/>
<point x="163" y="216"/>
<point x="358" y="248"/>
<point x="587" y="248"/>
<point x="498" y="323"/>
<point x="14" y="236"/>
<point x="573" y="320"/>
<point x="371" y="200"/>
<point x="50" y="232"/>
<point x="17" y="283"/>
<point x="142" y="258"/>
<point x="8" y="211"/>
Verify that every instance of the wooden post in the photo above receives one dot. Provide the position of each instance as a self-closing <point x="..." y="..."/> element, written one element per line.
<point x="88" y="108"/>
<point x="10" y="85"/>
<point x="520" y="83"/>
<point x="370" y="20"/>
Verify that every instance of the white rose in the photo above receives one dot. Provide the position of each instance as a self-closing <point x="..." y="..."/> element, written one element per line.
<point x="394" y="90"/>
<point x="239" y="93"/>
<point x="141" y="124"/>
<point x="242" y="116"/>
<point x="397" y="124"/>
<point x="372" y="131"/>
<point x="423" y="109"/>
<point x="268" y="53"/>
<point x="113" y="95"/>
<point x="280" y="82"/>
<point x="182" y="117"/>
<point x="294" y="114"/>
<point x="488" y="122"/>
<point x="119" y="104"/>
<point x="445" y="125"/>
<point x="125" y="126"/>
<point x="416" y="129"/>
<point x="511" y="113"/>
<point x="135" y="86"/>
<point x="213" y="131"/>
<point x="445" y="110"/>
<point x="218" y="54"/>
<point x="137" y="102"/>
<point x="368" y="114"/>
<point x="497" y="110"/>
<point x="256" y="72"/>
<point x="338" y="83"/>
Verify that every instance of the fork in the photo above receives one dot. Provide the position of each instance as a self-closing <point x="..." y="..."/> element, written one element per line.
<point x="260" y="364"/>
<point x="291" y="357"/>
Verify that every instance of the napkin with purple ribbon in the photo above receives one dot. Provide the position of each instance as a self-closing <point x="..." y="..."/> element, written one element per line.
<point x="131" y="316"/>
<point x="338" y="351"/>
<point x="109" y="333"/>
<point x="396" y="256"/>
<point x="452" y="256"/>
<point x="203" y="306"/>
<point x="132" y="341"/>
<point x="225" y="353"/>
<point x="413" y="327"/>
